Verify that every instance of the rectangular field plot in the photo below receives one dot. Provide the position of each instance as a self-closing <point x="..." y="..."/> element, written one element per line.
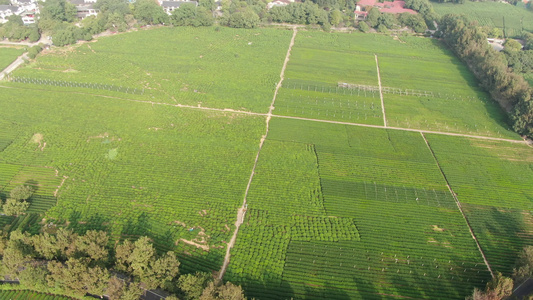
<point x="341" y="105"/>
<point x="465" y="115"/>
<point x="408" y="240"/>
<point x="8" y="55"/>
<point x="486" y="172"/>
<point x="514" y="18"/>
<point x="501" y="232"/>
<point x="135" y="169"/>
<point x="228" y="68"/>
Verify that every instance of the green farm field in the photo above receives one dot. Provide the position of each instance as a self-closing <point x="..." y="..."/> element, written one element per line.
<point x="27" y="295"/>
<point x="228" y="68"/>
<point x="8" y="55"/>
<point x="351" y="210"/>
<point x="492" y="14"/>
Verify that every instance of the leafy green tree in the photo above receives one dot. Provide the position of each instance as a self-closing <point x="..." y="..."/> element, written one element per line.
<point x="59" y="10"/>
<point x="115" y="288"/>
<point x="149" y="12"/>
<point x="386" y="19"/>
<point x="34" y="276"/>
<point x="512" y="45"/>
<point x="190" y="15"/>
<point x="363" y="26"/>
<point x="46" y="245"/>
<point x="21" y="192"/>
<point x="193" y="284"/>
<point x="14" y="207"/>
<point x="373" y="17"/>
<point x="207" y="4"/>
<point x="113" y="6"/>
<point x="335" y="17"/>
<point x="93" y="243"/>
<point x="75" y="276"/>
<point x="17" y="253"/>
<point x="245" y="18"/>
<point x="215" y="290"/>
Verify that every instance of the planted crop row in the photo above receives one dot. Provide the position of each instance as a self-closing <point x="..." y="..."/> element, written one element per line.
<point x="29" y="295"/>
<point x="323" y="229"/>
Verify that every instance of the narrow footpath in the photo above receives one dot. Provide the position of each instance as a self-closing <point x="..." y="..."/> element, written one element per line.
<point x="459" y="206"/>
<point x="381" y="94"/>
<point x="242" y="210"/>
<point x="19" y="61"/>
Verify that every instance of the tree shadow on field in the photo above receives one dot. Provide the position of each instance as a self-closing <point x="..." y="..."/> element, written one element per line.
<point x="139" y="226"/>
<point x="94" y="222"/>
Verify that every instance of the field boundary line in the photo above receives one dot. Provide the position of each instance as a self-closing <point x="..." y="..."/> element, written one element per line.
<point x="458" y="205"/>
<point x="381" y="93"/>
<point x="242" y="210"/>
<point x="279" y="116"/>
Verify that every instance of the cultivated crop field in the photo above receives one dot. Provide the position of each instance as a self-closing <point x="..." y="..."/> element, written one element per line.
<point x="8" y="55"/>
<point x="29" y="295"/>
<point x="227" y="68"/>
<point x="489" y="13"/>
<point x="339" y="205"/>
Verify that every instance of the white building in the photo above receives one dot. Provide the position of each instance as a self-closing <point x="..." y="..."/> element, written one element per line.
<point x="7" y="11"/>
<point x="170" y="6"/>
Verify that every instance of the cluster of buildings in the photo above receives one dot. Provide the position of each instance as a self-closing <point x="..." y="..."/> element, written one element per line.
<point x="394" y="7"/>
<point x="27" y="9"/>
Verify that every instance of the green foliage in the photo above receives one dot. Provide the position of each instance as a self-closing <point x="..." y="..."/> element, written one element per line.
<point x="363" y="27"/>
<point x="14" y="207"/>
<point x="58" y="10"/>
<point x="245" y="18"/>
<point x="23" y="295"/>
<point x="21" y="192"/>
<point x="77" y="277"/>
<point x="193" y="284"/>
<point x="299" y="13"/>
<point x="149" y="12"/>
<point x="190" y="15"/>
<point x="512" y="45"/>
<point x="524" y="264"/>
<point x="219" y="291"/>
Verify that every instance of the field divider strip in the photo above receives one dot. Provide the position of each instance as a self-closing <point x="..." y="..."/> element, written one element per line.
<point x="381" y="93"/>
<point x="241" y="212"/>
<point x="278" y="116"/>
<point x="458" y="205"/>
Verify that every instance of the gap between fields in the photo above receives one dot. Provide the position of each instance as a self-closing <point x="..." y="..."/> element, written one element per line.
<point x="242" y="210"/>
<point x="381" y="93"/>
<point x="458" y="206"/>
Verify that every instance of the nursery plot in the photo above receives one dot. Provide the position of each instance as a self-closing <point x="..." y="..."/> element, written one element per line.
<point x="310" y="88"/>
<point x="341" y="105"/>
<point x="225" y="68"/>
<point x="138" y="169"/>
<point x="460" y="115"/>
<point x="8" y="55"/>
<point x="486" y="172"/>
<point x="417" y="246"/>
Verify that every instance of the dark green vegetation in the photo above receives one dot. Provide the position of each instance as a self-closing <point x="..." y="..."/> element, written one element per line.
<point x="334" y="210"/>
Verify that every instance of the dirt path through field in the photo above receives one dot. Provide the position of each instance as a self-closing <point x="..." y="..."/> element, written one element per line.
<point x="278" y="116"/>
<point x="15" y="64"/>
<point x="458" y="205"/>
<point x="381" y="93"/>
<point x="242" y="210"/>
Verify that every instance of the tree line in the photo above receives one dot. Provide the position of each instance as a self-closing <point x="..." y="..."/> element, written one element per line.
<point x="63" y="262"/>
<point x="501" y="287"/>
<point x="512" y="92"/>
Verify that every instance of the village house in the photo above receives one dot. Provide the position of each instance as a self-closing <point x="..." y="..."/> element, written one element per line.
<point x="85" y="8"/>
<point x="279" y="3"/>
<point x="394" y="7"/>
<point x="7" y="11"/>
<point x="170" y="6"/>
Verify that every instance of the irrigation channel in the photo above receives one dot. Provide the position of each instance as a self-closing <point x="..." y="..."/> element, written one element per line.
<point x="242" y="210"/>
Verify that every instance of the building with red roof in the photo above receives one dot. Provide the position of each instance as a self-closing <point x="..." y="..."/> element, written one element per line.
<point x="394" y="7"/>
